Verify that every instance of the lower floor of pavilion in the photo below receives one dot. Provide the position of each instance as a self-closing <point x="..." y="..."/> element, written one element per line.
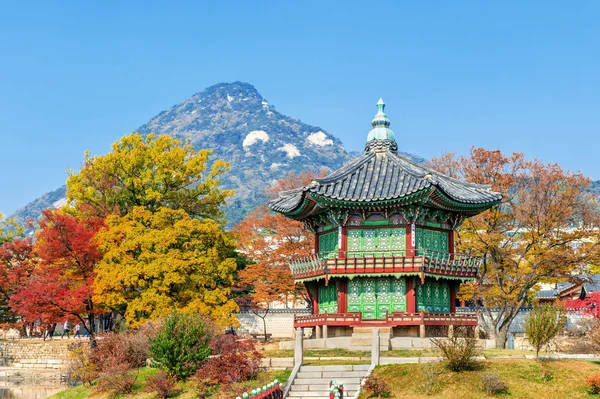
<point x="407" y="305"/>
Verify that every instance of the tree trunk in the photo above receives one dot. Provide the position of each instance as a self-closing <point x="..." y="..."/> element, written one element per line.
<point x="265" y="327"/>
<point x="501" y="337"/>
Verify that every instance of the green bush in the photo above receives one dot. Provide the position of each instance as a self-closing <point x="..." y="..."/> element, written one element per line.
<point x="543" y="324"/>
<point x="182" y="344"/>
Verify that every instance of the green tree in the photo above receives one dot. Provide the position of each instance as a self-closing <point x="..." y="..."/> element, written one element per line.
<point x="9" y="229"/>
<point x="182" y="344"/>
<point x="543" y="324"/>
<point x="150" y="172"/>
<point x="159" y="262"/>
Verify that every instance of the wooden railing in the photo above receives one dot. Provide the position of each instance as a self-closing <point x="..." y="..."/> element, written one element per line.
<point x="393" y="319"/>
<point x="406" y="261"/>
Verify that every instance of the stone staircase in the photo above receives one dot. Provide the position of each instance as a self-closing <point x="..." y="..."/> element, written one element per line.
<point x="312" y="382"/>
<point x="362" y="336"/>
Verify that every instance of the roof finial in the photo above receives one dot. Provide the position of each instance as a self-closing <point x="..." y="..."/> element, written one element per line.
<point x="381" y="131"/>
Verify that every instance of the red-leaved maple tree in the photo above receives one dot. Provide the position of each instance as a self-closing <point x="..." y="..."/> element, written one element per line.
<point x="60" y="287"/>
<point x="16" y="265"/>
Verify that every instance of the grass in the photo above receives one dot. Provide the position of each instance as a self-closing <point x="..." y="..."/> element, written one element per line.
<point x="524" y="378"/>
<point x="391" y="353"/>
<point x="183" y="390"/>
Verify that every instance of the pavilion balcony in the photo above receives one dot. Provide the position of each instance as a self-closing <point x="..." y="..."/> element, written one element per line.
<point x="391" y="320"/>
<point x="409" y="262"/>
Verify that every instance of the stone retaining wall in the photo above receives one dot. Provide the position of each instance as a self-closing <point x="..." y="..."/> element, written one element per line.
<point x="38" y="355"/>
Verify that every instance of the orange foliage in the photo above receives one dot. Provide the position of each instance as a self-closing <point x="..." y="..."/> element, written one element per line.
<point x="546" y="229"/>
<point x="271" y="240"/>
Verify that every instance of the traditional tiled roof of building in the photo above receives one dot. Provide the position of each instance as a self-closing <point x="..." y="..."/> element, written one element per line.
<point x="381" y="175"/>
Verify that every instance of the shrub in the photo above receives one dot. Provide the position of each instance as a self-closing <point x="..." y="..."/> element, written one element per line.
<point x="430" y="373"/>
<point x="182" y="344"/>
<point x="80" y="366"/>
<point x="160" y="383"/>
<point x="117" y="379"/>
<point x="459" y="352"/>
<point x="234" y="361"/>
<point x="543" y="324"/>
<point x="492" y="384"/>
<point x="204" y="388"/>
<point x="376" y="387"/>
<point x="129" y="348"/>
<point x="593" y="383"/>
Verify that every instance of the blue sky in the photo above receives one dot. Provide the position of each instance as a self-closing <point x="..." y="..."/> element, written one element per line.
<point x="515" y="75"/>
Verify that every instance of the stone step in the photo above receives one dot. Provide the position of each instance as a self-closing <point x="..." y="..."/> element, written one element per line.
<point x="322" y="387"/>
<point x="330" y="374"/>
<point x="354" y="367"/>
<point x="325" y="381"/>
<point x="317" y="394"/>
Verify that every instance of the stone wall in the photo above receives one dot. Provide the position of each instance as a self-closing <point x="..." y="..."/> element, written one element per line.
<point x="280" y="322"/>
<point x="39" y="355"/>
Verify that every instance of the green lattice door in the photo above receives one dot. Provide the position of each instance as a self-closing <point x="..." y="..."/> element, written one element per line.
<point x="376" y="242"/>
<point x="433" y="296"/>
<point x="328" y="298"/>
<point x="398" y="294"/>
<point x="375" y="296"/>
<point x="354" y="297"/>
<point x="431" y="239"/>
<point x="369" y="299"/>
<point x="328" y="244"/>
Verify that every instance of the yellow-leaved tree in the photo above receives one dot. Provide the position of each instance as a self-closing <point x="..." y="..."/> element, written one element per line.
<point x="158" y="262"/>
<point x="164" y="248"/>
<point x="151" y="172"/>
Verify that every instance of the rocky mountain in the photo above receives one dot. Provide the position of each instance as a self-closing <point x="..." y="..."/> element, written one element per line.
<point x="241" y="127"/>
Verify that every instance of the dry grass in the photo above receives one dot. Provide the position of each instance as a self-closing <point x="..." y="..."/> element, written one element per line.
<point x="523" y="377"/>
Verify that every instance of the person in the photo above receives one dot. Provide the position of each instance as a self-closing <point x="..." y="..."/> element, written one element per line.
<point x="52" y="329"/>
<point x="66" y="330"/>
<point x="86" y="333"/>
<point x="77" y="331"/>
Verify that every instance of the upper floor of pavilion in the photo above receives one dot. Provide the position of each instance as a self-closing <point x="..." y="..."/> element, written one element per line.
<point x="383" y="181"/>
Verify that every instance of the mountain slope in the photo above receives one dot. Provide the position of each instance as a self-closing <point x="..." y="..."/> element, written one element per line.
<point x="241" y="127"/>
<point x="261" y="144"/>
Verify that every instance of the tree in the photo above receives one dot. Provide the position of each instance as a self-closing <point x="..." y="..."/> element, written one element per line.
<point x="61" y="284"/>
<point x="271" y="240"/>
<point x="9" y="229"/>
<point x="543" y="324"/>
<point x="16" y="265"/>
<point x="545" y="229"/>
<point x="159" y="262"/>
<point x="150" y="172"/>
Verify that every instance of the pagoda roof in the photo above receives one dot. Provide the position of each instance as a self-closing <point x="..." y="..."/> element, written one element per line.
<point x="380" y="177"/>
<point x="384" y="176"/>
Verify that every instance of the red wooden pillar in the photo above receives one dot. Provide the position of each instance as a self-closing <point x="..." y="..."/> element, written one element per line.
<point x="410" y="239"/>
<point x="343" y="296"/>
<point x="316" y="243"/>
<point x="411" y="302"/>
<point x="452" y="297"/>
<point x="451" y="242"/>
<point x="343" y="248"/>
<point x="316" y="298"/>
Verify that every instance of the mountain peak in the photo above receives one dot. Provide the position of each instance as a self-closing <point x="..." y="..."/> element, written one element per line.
<point x="235" y="90"/>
